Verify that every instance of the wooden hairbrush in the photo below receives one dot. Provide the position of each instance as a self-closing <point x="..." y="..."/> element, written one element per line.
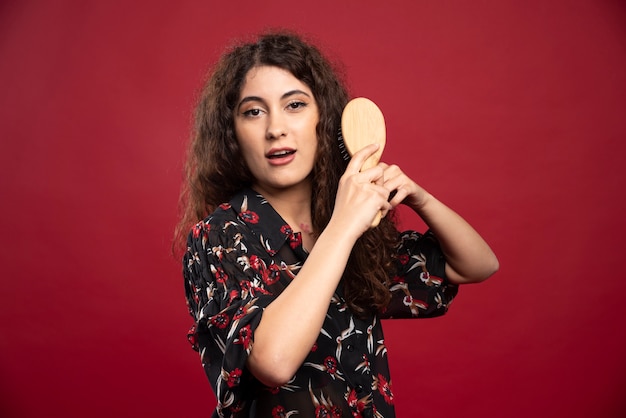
<point x="362" y="123"/>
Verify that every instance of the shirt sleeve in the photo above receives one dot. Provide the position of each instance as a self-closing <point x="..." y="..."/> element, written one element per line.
<point x="420" y="289"/>
<point x="226" y="297"/>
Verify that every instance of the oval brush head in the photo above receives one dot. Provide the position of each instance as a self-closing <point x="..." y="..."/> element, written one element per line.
<point x="362" y="123"/>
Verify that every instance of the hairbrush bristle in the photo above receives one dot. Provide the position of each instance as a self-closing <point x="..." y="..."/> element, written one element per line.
<point x="342" y="147"/>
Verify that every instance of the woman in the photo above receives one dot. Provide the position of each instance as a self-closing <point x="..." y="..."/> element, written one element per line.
<point x="285" y="279"/>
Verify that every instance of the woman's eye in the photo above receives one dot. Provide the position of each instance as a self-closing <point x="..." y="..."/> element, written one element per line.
<point x="252" y="112"/>
<point x="296" y="105"/>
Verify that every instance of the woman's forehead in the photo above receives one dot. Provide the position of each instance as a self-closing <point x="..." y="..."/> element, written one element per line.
<point x="271" y="81"/>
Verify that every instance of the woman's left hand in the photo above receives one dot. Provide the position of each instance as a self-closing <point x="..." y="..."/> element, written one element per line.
<point x="406" y="190"/>
<point x="468" y="257"/>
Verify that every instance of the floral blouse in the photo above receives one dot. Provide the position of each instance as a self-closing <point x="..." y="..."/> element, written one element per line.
<point x="239" y="259"/>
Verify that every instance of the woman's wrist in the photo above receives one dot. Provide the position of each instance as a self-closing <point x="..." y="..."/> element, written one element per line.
<point x="339" y="235"/>
<point x="421" y="206"/>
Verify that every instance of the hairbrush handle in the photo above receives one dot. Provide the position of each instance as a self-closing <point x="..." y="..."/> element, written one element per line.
<point x="362" y="123"/>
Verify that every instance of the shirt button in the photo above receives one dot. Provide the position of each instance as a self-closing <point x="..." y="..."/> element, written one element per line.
<point x="350" y="347"/>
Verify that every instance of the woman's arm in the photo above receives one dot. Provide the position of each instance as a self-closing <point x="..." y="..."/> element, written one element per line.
<point x="291" y="324"/>
<point x="469" y="258"/>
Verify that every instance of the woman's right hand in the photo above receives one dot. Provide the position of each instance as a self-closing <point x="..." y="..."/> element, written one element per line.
<point x="361" y="194"/>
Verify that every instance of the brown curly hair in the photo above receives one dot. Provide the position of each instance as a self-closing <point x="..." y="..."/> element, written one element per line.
<point x="215" y="169"/>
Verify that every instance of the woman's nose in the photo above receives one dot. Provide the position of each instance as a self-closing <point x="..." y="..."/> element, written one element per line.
<point x="276" y="127"/>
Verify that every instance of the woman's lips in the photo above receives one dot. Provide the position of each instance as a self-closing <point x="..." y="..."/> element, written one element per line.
<point x="281" y="156"/>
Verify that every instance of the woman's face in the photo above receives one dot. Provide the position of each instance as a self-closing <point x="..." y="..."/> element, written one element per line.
<point x="275" y="124"/>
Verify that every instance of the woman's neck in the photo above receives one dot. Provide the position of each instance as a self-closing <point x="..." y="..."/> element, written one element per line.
<point x="293" y="204"/>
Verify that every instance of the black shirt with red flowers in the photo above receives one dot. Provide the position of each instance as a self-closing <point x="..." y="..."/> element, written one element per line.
<point x="239" y="260"/>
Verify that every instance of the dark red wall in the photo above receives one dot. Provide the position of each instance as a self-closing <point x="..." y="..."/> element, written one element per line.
<point x="511" y="112"/>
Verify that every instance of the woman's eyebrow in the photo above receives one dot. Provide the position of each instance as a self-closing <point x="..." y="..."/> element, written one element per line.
<point x="294" y="92"/>
<point x="250" y="99"/>
<point x="260" y="99"/>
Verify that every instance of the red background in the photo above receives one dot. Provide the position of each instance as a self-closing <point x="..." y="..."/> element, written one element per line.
<point x="511" y="112"/>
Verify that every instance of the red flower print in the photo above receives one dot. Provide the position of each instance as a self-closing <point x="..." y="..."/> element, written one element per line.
<point x="259" y="289"/>
<point x="403" y="259"/>
<point x="314" y="348"/>
<point x="256" y="263"/>
<point x="271" y="275"/>
<point x="245" y="337"/>
<point x="295" y="241"/>
<point x="241" y="312"/>
<point x="201" y="229"/>
<point x="330" y="363"/>
<point x="197" y="229"/>
<point x="286" y="229"/>
<point x="249" y="217"/>
<point x="398" y="279"/>
<point x="357" y="405"/>
<point x="322" y="412"/>
<point x="225" y="206"/>
<point x="279" y="412"/>
<point x="234" y="378"/>
<point x="220" y="320"/>
<point x="384" y="388"/>
<point x="220" y="275"/>
<point x="352" y="399"/>
<point x="192" y="337"/>
<point x="274" y="390"/>
<point x="233" y="295"/>
<point x="245" y="285"/>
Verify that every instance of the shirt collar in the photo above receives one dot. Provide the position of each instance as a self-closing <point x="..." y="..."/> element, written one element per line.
<point x="264" y="222"/>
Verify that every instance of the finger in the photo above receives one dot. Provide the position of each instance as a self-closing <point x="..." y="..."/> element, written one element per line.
<point x="385" y="209"/>
<point x="380" y="181"/>
<point x="359" y="157"/>
<point x="398" y="196"/>
<point x="397" y="185"/>
<point x="391" y="171"/>
<point x="382" y="198"/>
<point x="374" y="175"/>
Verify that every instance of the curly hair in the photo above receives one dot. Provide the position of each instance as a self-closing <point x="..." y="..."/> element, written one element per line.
<point x="215" y="169"/>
